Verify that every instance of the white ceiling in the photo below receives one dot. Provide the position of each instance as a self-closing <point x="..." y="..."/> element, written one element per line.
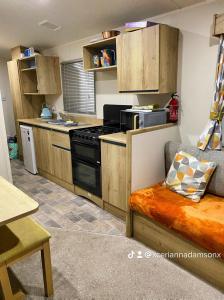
<point x="79" y="18"/>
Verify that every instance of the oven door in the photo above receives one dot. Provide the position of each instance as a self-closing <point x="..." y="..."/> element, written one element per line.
<point x="87" y="176"/>
<point x="86" y="152"/>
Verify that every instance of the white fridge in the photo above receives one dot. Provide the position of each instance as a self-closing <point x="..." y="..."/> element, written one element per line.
<point x="28" y="149"/>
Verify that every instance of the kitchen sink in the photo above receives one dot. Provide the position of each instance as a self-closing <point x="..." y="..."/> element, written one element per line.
<point x="56" y="122"/>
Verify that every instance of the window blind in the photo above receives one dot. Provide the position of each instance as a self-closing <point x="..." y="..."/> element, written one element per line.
<point x="78" y="88"/>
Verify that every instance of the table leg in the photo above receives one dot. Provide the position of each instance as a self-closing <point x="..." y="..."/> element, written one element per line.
<point x="47" y="269"/>
<point x="19" y="296"/>
<point x="6" y="286"/>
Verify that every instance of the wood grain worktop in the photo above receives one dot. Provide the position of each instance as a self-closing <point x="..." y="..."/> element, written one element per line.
<point x="118" y="137"/>
<point x="40" y="123"/>
<point x="121" y="137"/>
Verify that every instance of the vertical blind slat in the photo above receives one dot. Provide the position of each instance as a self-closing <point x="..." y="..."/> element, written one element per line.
<point x="78" y="88"/>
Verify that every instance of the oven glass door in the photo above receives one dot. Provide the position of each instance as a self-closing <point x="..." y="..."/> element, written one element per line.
<point x="89" y="153"/>
<point x="87" y="176"/>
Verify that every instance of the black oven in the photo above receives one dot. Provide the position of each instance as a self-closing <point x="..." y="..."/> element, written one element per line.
<point x="86" y="166"/>
<point x="85" y="149"/>
<point x="87" y="176"/>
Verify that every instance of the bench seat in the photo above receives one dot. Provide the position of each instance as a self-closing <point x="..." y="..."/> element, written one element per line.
<point x="202" y="222"/>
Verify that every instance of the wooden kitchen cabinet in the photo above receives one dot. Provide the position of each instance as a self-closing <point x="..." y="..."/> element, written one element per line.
<point x="62" y="164"/>
<point x="147" y="60"/>
<point x="24" y="106"/>
<point x="30" y="79"/>
<point x="43" y="149"/>
<point x="53" y="156"/>
<point x="95" y="49"/>
<point x="61" y="153"/>
<point x="113" y="158"/>
<point x="40" y="75"/>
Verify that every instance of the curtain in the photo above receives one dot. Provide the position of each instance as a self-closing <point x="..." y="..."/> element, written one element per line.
<point x="211" y="138"/>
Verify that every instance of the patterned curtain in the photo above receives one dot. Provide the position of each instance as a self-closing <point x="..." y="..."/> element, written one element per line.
<point x="211" y="138"/>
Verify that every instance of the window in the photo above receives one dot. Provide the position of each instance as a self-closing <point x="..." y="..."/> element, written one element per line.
<point x="78" y="88"/>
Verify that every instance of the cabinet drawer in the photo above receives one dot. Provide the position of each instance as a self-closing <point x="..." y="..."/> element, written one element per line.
<point x="60" y="139"/>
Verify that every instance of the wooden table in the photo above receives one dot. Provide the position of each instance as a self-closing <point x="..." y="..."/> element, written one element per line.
<point x="14" y="204"/>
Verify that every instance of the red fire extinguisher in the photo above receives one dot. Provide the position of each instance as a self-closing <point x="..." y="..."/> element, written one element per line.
<point x="173" y="106"/>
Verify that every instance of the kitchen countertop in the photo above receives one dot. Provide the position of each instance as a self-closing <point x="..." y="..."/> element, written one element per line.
<point x="118" y="137"/>
<point x="121" y="137"/>
<point x="40" y="123"/>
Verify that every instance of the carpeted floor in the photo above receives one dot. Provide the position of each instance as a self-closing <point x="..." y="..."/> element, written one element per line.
<point x="94" y="266"/>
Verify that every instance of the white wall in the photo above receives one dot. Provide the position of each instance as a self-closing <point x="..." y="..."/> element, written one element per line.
<point x="7" y="100"/>
<point x="5" y="169"/>
<point x="196" y="73"/>
<point x="143" y="176"/>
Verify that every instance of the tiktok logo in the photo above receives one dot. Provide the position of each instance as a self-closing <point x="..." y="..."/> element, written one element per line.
<point x="139" y="254"/>
<point x="131" y="254"/>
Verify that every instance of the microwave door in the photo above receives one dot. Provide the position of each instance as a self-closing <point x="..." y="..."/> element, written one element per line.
<point x="126" y="121"/>
<point x="129" y="120"/>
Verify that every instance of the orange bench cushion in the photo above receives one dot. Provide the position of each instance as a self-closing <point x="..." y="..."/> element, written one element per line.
<point x="201" y="222"/>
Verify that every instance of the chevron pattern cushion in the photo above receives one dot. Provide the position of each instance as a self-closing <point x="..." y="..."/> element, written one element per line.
<point x="189" y="176"/>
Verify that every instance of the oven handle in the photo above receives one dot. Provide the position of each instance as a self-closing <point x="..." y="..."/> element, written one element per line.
<point x="75" y="159"/>
<point x="84" y="143"/>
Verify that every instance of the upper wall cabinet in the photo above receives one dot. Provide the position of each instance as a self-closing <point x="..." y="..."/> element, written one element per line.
<point x="147" y="60"/>
<point x="95" y="50"/>
<point x="40" y="75"/>
<point x="218" y="25"/>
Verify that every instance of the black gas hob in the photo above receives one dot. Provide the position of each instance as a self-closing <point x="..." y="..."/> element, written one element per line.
<point x="90" y="135"/>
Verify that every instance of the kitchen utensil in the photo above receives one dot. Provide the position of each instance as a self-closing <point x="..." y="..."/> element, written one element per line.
<point x="45" y="113"/>
<point x="110" y="33"/>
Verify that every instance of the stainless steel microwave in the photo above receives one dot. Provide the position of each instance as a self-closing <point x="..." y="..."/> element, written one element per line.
<point x="132" y="119"/>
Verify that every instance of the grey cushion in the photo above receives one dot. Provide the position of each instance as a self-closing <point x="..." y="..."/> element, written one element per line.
<point x="216" y="184"/>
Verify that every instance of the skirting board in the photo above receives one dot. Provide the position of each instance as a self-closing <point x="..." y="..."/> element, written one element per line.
<point x="115" y="211"/>
<point x="79" y="191"/>
<point x="58" y="181"/>
<point x="163" y="240"/>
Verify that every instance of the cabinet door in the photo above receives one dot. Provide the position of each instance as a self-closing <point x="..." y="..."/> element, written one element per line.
<point x="48" y="75"/>
<point x="138" y="60"/>
<point x="62" y="163"/>
<point x="114" y="174"/>
<point x="43" y="149"/>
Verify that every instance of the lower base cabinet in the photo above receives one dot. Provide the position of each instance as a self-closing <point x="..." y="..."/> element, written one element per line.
<point x="62" y="163"/>
<point x="53" y="156"/>
<point x="42" y="141"/>
<point x="113" y="158"/>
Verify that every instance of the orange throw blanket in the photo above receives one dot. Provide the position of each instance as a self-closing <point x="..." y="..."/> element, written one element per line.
<point x="201" y="222"/>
